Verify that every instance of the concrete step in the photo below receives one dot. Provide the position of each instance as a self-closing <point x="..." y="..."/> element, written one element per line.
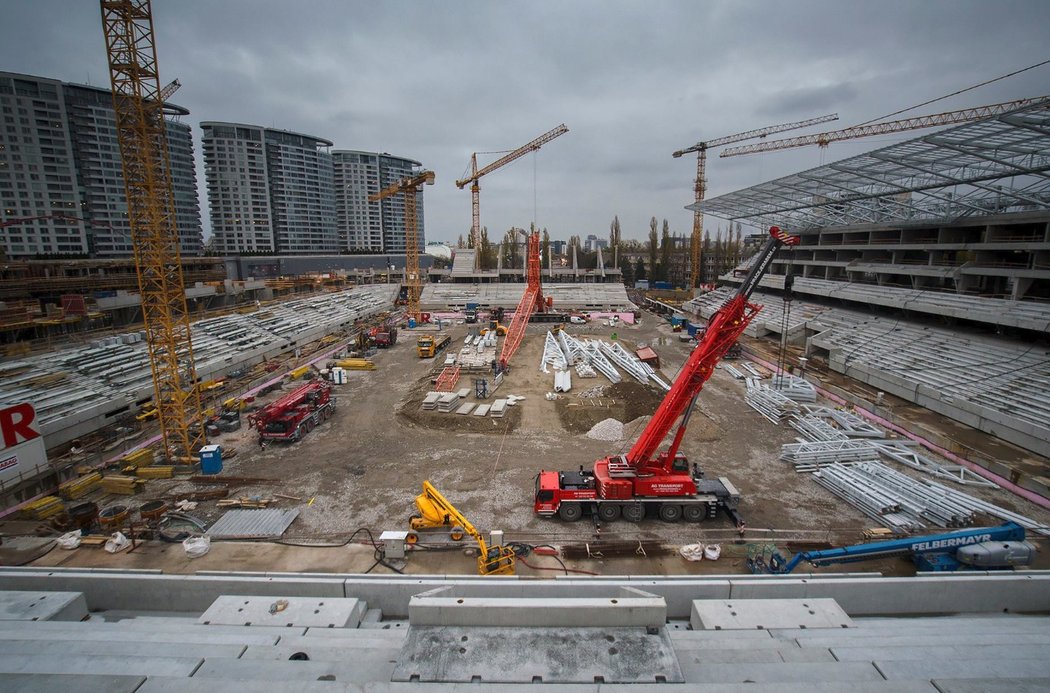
<point x="785" y="672"/>
<point x="335" y="653"/>
<point x="66" y="648"/>
<point x="115" y="633"/>
<point x="99" y="664"/>
<point x="758" y="656"/>
<point x="909" y="640"/>
<point x="961" y="668"/>
<point x="1003" y="653"/>
<point x="352" y="669"/>
<point x="984" y="685"/>
<point x="64" y="683"/>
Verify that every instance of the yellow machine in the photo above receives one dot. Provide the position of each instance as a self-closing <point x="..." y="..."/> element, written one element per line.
<point x="501" y="330"/>
<point x="436" y="512"/>
<point x="429" y="345"/>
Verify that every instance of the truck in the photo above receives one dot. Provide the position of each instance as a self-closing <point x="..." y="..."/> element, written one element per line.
<point x="430" y="345"/>
<point x="471" y="313"/>
<point x="386" y="337"/>
<point x="292" y="416"/>
<point x="644" y="479"/>
<point x="976" y="548"/>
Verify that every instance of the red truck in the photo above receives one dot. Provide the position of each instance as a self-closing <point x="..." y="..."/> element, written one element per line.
<point x="295" y="414"/>
<point x="646" y="479"/>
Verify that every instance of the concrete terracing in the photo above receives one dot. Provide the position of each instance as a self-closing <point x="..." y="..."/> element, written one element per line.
<point x="610" y="297"/>
<point x="998" y="386"/>
<point x="788" y="634"/>
<point x="80" y="390"/>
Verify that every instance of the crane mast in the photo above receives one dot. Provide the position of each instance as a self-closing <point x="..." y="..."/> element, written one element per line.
<point x="700" y="186"/>
<point x="409" y="186"/>
<point x="825" y="138"/>
<point x="476" y="174"/>
<point x="138" y="103"/>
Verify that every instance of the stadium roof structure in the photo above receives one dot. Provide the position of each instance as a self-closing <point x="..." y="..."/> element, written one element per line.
<point x="993" y="166"/>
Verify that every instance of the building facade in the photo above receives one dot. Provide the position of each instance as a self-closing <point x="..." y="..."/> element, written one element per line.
<point x="377" y="227"/>
<point x="59" y="155"/>
<point x="269" y="191"/>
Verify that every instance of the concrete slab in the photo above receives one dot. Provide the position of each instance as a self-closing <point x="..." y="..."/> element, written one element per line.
<point x="984" y="685"/>
<point x="763" y="614"/>
<point x="962" y="668"/>
<point x="118" y="634"/>
<point x="106" y="665"/>
<point x="910" y="639"/>
<point x="441" y="607"/>
<point x="290" y="612"/>
<point x="757" y="656"/>
<point x="785" y="672"/>
<point x="42" y="606"/>
<point x="482" y="410"/>
<point x="448" y="654"/>
<point x="319" y="650"/>
<point x="159" y="684"/>
<point x="65" y="648"/>
<point x="1003" y="653"/>
<point x="465" y="409"/>
<point x="361" y="670"/>
<point x="63" y="683"/>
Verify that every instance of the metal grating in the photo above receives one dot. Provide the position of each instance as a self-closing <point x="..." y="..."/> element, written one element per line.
<point x="994" y="166"/>
<point x="252" y="524"/>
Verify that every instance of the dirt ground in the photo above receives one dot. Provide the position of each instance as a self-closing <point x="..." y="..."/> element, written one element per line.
<point x="364" y="467"/>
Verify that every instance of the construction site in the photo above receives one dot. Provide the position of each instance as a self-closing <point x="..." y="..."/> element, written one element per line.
<point x="830" y="468"/>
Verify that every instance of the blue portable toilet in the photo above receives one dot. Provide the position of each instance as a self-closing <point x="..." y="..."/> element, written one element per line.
<point x="411" y="323"/>
<point x="211" y="459"/>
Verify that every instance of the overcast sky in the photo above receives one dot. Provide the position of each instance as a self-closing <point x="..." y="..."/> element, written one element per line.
<point x="633" y="81"/>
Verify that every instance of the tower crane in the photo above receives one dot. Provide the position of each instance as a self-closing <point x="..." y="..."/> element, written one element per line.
<point x="409" y="186"/>
<point x="825" y="138"/>
<point x="700" y="187"/>
<point x="138" y="102"/>
<point x="476" y="174"/>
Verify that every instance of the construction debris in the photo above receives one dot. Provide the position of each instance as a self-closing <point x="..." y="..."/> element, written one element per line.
<point x="607" y="429"/>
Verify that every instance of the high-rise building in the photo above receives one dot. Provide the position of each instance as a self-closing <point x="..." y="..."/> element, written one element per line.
<point x="59" y="155"/>
<point x="377" y="227"/>
<point x="269" y="190"/>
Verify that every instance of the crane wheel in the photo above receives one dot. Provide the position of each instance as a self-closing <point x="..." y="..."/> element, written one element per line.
<point x="670" y="512"/>
<point x="633" y="512"/>
<point x="411" y="538"/>
<point x="457" y="533"/>
<point x="608" y="512"/>
<point x="570" y="512"/>
<point x="694" y="513"/>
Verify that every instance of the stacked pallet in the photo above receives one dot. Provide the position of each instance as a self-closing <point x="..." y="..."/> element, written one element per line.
<point x="448" y="402"/>
<point x="159" y="472"/>
<point x="43" y="508"/>
<point x="499" y="409"/>
<point x="430" y="401"/>
<point x="123" y="485"/>
<point x="81" y="486"/>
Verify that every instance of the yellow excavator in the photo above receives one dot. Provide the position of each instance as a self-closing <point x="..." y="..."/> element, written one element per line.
<point x="436" y="512"/>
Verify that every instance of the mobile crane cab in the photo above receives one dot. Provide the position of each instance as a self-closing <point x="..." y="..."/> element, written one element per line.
<point x="645" y="478"/>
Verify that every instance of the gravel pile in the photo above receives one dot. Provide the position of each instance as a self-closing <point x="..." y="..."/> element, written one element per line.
<point x="609" y="429"/>
<point x="592" y="392"/>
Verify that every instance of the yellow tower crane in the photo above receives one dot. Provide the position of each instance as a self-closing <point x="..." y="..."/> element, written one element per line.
<point x="475" y="175"/>
<point x="410" y="187"/>
<point x="142" y="134"/>
<point x="700" y="187"/>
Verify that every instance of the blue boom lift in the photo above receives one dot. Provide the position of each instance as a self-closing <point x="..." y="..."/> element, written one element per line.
<point x="977" y="548"/>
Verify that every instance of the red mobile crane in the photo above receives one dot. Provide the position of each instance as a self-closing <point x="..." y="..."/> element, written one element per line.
<point x="294" y="415"/>
<point x="644" y="478"/>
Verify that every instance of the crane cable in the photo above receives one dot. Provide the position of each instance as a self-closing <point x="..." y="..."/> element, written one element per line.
<point x="954" y="93"/>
